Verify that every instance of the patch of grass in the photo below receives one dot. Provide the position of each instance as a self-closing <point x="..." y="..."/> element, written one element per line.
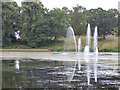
<point x="56" y="46"/>
<point x="110" y="44"/>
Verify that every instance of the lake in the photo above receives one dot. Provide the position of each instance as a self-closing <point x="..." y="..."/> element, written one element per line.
<point x="51" y="70"/>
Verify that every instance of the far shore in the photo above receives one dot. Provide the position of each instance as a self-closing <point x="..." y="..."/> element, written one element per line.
<point x="41" y="50"/>
<point x="25" y="50"/>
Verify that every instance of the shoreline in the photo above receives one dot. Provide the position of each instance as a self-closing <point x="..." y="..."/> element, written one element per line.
<point x="56" y="56"/>
<point x="43" y="50"/>
<point x="25" y="50"/>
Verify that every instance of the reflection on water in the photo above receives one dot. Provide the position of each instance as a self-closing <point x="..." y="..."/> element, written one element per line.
<point x="95" y="70"/>
<point x="17" y="65"/>
<point x="88" y="74"/>
<point x="52" y="74"/>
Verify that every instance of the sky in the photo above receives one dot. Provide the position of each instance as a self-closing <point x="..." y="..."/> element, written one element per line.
<point x="89" y="4"/>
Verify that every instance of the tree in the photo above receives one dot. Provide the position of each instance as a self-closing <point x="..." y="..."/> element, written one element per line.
<point x="67" y="10"/>
<point x="9" y="19"/>
<point x="39" y="25"/>
<point x="105" y="20"/>
<point x="79" y="20"/>
<point x="32" y="15"/>
<point x="58" y="23"/>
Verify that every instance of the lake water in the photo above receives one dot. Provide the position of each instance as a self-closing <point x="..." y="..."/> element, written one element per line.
<point x="44" y="73"/>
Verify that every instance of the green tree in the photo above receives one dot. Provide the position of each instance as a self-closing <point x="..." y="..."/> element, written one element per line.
<point x="9" y="18"/>
<point x="58" y="23"/>
<point x="105" y="20"/>
<point x="79" y="20"/>
<point x="67" y="10"/>
<point x="39" y="25"/>
<point x="32" y="15"/>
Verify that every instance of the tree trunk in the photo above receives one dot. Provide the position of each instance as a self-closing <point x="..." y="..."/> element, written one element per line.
<point x="55" y="39"/>
<point x="103" y="36"/>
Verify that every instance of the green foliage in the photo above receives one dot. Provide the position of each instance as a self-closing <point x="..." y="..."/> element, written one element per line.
<point x="79" y="20"/>
<point x="9" y="19"/>
<point x="110" y="50"/>
<point x="105" y="20"/>
<point x="31" y="17"/>
<point x="58" y="23"/>
<point x="37" y="25"/>
<point x="40" y="26"/>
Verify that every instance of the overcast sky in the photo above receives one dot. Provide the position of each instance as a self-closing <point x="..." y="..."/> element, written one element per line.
<point x="89" y="4"/>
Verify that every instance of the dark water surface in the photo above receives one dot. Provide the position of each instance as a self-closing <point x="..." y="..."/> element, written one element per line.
<point x="52" y="74"/>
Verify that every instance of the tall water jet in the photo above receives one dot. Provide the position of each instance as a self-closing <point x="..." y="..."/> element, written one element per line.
<point x="70" y="41"/>
<point x="79" y="50"/>
<point x="95" y="53"/>
<point x="79" y="45"/>
<point x="87" y="52"/>
<point x="88" y="41"/>
<point x="70" y="45"/>
<point x="88" y="36"/>
<point x="95" y="41"/>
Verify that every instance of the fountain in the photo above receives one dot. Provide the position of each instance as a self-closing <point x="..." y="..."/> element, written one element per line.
<point x="88" y="41"/>
<point x="70" y="44"/>
<point x="96" y="53"/>
<point x="88" y="36"/>
<point x="87" y="52"/>
<point x="79" y="45"/>
<point x="79" y="50"/>
<point x="73" y="68"/>
<point x="95" y="42"/>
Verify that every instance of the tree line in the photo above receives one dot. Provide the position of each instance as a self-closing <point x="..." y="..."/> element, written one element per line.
<point x="40" y="26"/>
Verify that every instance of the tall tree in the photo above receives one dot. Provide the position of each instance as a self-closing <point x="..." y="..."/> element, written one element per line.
<point x="79" y="20"/>
<point x="105" y="20"/>
<point x="9" y="19"/>
<point x="32" y="15"/>
<point x="59" y="22"/>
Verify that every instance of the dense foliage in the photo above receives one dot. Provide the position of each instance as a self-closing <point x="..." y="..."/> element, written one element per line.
<point x="40" y="26"/>
<point x="9" y="19"/>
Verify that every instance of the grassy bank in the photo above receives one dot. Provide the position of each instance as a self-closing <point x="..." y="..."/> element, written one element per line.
<point x="110" y="44"/>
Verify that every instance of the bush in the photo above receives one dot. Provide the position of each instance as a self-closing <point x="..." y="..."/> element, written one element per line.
<point x="109" y="50"/>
